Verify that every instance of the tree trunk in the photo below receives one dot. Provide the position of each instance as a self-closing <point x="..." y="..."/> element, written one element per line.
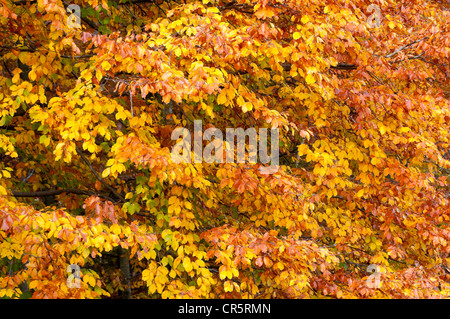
<point x="125" y="271"/>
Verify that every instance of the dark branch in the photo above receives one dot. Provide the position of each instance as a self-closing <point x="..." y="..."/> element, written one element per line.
<point x="344" y="66"/>
<point x="404" y="47"/>
<point x="52" y="192"/>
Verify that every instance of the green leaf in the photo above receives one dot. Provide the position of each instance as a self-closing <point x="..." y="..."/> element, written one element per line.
<point x="168" y="237"/>
<point x="105" y="146"/>
<point x="151" y="203"/>
<point x="134" y="207"/>
<point x="42" y="139"/>
<point x="103" y="30"/>
<point x="5" y="120"/>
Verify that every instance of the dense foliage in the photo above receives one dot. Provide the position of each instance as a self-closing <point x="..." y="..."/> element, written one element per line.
<point x="88" y="103"/>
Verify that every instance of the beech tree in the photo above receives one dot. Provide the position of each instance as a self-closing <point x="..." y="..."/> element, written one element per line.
<point x="92" y="205"/>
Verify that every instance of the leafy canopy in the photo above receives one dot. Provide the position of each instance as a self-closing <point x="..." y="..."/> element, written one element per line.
<point x="86" y="176"/>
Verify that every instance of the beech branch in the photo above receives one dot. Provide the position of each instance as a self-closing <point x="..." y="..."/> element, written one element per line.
<point x="52" y="192"/>
<point x="404" y="47"/>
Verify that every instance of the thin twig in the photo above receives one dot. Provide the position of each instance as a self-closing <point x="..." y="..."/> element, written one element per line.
<point x="404" y="47"/>
<point x="131" y="103"/>
<point x="84" y="56"/>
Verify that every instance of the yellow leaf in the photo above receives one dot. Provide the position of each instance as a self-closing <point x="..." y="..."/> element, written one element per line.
<point x="106" y="65"/>
<point x="222" y="274"/>
<point x="367" y="143"/>
<point x="296" y="35"/>
<point x="118" y="167"/>
<point x="110" y="162"/>
<point x="302" y="149"/>
<point x="222" y="98"/>
<point x="310" y="79"/>
<point x="16" y="78"/>
<point x="106" y="172"/>
<point x="98" y="75"/>
<point x="32" y="75"/>
<point x="33" y="284"/>
<point x="85" y="253"/>
<point x="116" y="229"/>
<point x="121" y="115"/>
<point x="91" y="148"/>
<point x="152" y="289"/>
<point x="228" y="286"/>
<point x="92" y="281"/>
<point x="405" y="129"/>
<point x="247" y="107"/>
<point x="231" y="94"/>
<point x="173" y="200"/>
<point x="305" y="19"/>
<point x="187" y="264"/>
